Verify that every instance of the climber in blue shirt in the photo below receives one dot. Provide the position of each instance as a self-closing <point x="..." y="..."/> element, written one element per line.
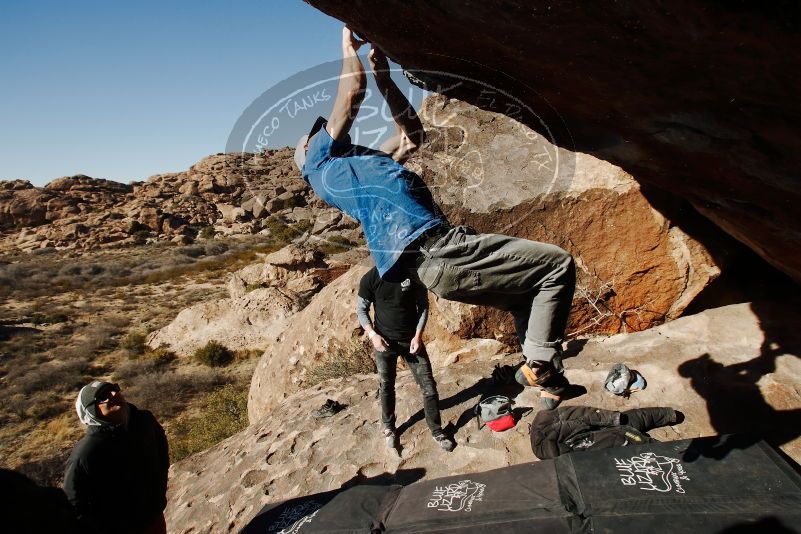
<point x="408" y="236"/>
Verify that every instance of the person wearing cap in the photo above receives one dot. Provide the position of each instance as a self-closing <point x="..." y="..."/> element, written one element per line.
<point x="409" y="237"/>
<point x="400" y="310"/>
<point x="116" y="476"/>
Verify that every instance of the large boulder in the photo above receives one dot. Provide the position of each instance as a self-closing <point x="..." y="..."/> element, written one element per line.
<point x="698" y="99"/>
<point x="326" y="324"/>
<point x="297" y="268"/>
<point x="247" y="322"/>
<point x="635" y="267"/>
<point x="738" y="370"/>
<point x="22" y="207"/>
<point x="262" y="297"/>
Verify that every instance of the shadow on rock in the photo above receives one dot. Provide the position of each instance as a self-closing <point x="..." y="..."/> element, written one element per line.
<point x="734" y="401"/>
<point x="573" y="348"/>
<point x="480" y="389"/>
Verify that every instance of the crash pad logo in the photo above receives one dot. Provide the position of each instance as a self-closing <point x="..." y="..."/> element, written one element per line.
<point x="456" y="497"/>
<point x="652" y="472"/>
<point x="291" y="520"/>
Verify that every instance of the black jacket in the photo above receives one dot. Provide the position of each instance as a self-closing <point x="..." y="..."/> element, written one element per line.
<point x="578" y="428"/>
<point x="116" y="478"/>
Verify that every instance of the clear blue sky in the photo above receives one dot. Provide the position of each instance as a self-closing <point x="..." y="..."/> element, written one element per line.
<point x="125" y="90"/>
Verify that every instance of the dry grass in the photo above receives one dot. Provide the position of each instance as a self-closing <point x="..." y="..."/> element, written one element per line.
<point x="26" y="275"/>
<point x="56" y="337"/>
<point x="354" y="357"/>
<point x="164" y="388"/>
<point x="224" y="412"/>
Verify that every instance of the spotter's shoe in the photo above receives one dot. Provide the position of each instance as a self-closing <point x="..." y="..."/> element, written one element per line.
<point x="390" y="438"/>
<point x="444" y="442"/>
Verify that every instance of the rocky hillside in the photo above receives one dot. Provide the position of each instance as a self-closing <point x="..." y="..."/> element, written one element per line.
<point x="695" y="98"/>
<point x="228" y="194"/>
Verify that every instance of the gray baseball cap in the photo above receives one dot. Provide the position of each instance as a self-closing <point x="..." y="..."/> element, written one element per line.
<point x="300" y="148"/>
<point x="621" y="379"/>
<point x="300" y="152"/>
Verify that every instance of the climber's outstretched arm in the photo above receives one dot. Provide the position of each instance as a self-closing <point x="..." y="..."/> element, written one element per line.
<point x="350" y="91"/>
<point x="409" y="132"/>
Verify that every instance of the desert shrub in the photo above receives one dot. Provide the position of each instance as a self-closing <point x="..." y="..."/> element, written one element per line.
<point x="216" y="248"/>
<point x="252" y="287"/>
<point x="247" y="354"/>
<point x="134" y="343"/>
<point x="224" y="413"/>
<point x="70" y="270"/>
<point x="283" y="232"/>
<point x="17" y="405"/>
<point x="349" y="359"/>
<point x="161" y="355"/>
<point x="23" y="344"/>
<point x="207" y="232"/>
<point x="63" y="283"/>
<point x="302" y="226"/>
<point x="94" y="269"/>
<point x="192" y="252"/>
<point x="49" y="318"/>
<point x="131" y="369"/>
<point x="214" y="354"/>
<point x="142" y="234"/>
<point x="99" y="337"/>
<point x="43" y="406"/>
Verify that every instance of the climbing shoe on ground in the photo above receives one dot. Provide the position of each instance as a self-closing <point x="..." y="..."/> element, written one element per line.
<point x="444" y="442"/>
<point x="330" y="408"/>
<point x="503" y="375"/>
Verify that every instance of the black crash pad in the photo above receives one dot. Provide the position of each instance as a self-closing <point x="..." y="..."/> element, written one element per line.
<point x="707" y="485"/>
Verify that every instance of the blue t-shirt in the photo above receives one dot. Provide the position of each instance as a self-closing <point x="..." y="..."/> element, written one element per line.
<point x="392" y="203"/>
